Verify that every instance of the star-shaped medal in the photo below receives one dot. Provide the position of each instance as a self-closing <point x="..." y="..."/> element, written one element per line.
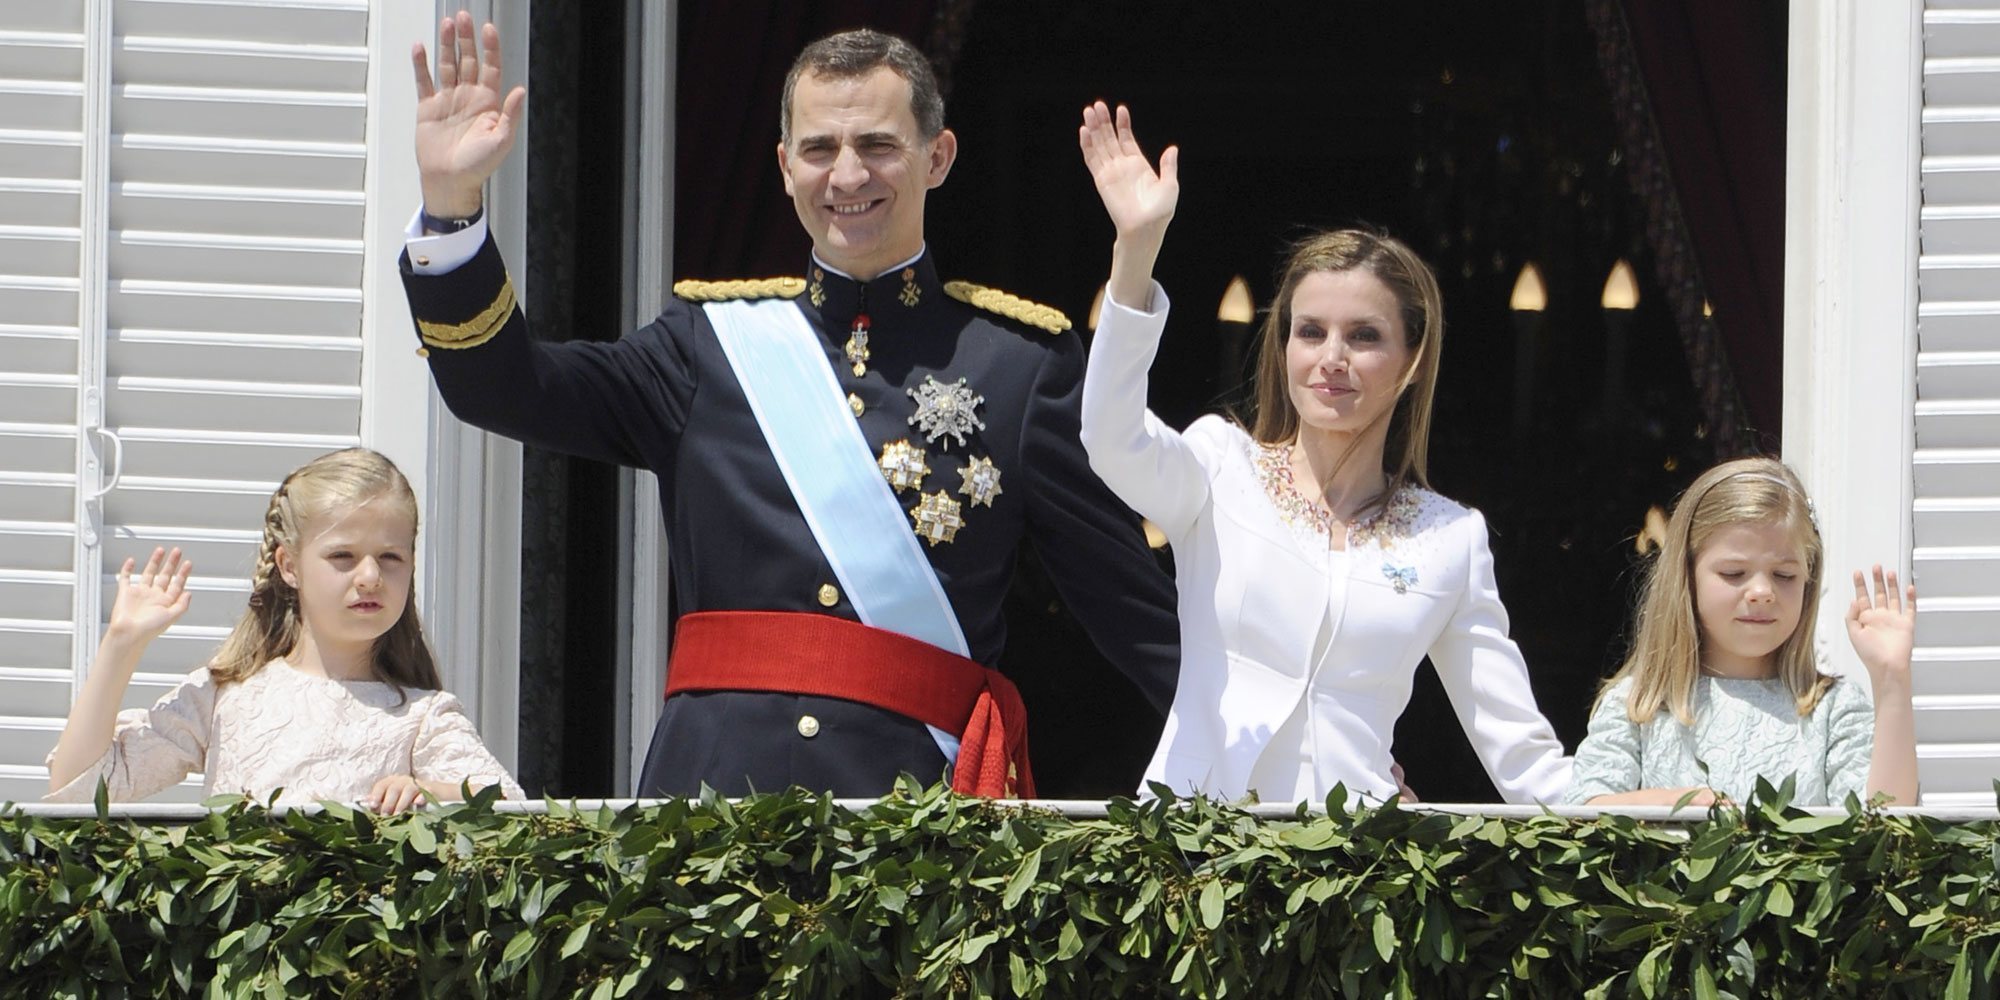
<point x="946" y="409"/>
<point x="981" y="481"/>
<point x="903" y="464"/>
<point x="936" y="518"/>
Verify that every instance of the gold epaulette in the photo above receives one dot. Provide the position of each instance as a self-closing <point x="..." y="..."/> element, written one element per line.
<point x="1013" y="307"/>
<point x="475" y="331"/>
<point x="741" y="288"/>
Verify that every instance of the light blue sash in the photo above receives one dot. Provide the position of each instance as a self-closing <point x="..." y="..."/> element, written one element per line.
<point x="860" y="525"/>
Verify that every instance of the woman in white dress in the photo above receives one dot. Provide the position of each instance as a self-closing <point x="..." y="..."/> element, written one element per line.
<point x="1316" y="568"/>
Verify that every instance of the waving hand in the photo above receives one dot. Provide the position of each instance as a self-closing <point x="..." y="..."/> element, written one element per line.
<point x="1139" y="200"/>
<point x="465" y="126"/>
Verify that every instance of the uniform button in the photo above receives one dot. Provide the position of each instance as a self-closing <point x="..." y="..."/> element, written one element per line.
<point x="423" y="262"/>
<point x="829" y="595"/>
<point x="423" y="352"/>
<point x="854" y="404"/>
<point x="808" y="726"/>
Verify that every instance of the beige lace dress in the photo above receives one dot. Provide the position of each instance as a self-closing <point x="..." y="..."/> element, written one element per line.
<point x="307" y="738"/>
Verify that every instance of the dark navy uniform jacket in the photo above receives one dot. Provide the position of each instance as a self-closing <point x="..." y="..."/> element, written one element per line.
<point x="664" y="398"/>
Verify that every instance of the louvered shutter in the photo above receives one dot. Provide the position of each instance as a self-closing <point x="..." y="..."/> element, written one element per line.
<point x="228" y="311"/>
<point x="1956" y="526"/>
<point x="41" y="123"/>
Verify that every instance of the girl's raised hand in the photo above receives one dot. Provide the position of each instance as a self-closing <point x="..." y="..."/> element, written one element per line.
<point x="1140" y="201"/>
<point x="1882" y="624"/>
<point x="151" y="600"/>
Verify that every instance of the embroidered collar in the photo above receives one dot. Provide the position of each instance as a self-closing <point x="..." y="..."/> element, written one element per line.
<point x="1389" y="522"/>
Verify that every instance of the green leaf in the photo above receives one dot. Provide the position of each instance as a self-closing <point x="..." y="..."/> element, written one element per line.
<point x="1211" y="904"/>
<point x="1385" y="935"/>
<point x="1805" y="825"/>
<point x="1959" y="987"/>
<point x="518" y="947"/>
<point x="975" y="946"/>
<point x="576" y="940"/>
<point x="1023" y="879"/>
<point x="422" y="839"/>
<point x="1779" y="902"/>
<point x="1704" y="979"/>
<point x="1069" y="943"/>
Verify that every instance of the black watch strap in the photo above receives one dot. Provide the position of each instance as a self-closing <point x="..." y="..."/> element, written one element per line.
<point x="433" y="224"/>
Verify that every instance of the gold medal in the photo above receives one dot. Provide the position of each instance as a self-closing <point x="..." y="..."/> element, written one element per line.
<point x="902" y="463"/>
<point x="936" y="518"/>
<point x="980" y="481"/>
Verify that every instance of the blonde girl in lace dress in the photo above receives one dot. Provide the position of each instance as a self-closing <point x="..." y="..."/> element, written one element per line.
<point x="325" y="689"/>
<point x="1316" y="569"/>
<point x="1722" y="685"/>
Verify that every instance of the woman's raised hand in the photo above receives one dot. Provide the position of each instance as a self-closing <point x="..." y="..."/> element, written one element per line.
<point x="1139" y="200"/>
<point x="1883" y="625"/>
<point x="153" y="599"/>
<point x="465" y="126"/>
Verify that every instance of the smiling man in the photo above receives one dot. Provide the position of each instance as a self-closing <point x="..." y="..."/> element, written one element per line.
<point x="849" y="459"/>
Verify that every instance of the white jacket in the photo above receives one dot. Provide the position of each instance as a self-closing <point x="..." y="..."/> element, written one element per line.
<point x="1276" y="628"/>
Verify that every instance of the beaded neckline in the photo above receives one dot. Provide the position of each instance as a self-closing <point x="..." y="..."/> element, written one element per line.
<point x="1309" y="518"/>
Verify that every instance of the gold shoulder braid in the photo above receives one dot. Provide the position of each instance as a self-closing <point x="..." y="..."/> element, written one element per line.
<point x="1013" y="307"/>
<point x="741" y="288"/>
<point x="475" y="331"/>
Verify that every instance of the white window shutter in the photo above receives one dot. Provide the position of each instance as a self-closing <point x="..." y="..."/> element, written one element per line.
<point x="1956" y="557"/>
<point x="41" y="141"/>
<point x="226" y="310"/>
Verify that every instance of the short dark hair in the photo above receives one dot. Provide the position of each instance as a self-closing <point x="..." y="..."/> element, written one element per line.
<point x="855" y="53"/>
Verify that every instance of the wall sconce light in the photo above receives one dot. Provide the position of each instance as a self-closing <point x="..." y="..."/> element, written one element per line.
<point x="1237" y="306"/>
<point x="1621" y="296"/>
<point x="1529" y="301"/>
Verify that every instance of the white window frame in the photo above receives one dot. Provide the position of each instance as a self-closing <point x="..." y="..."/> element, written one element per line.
<point x="1853" y="169"/>
<point x="468" y="481"/>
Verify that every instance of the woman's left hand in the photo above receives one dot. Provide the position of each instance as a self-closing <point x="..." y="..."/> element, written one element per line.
<point x="1882" y="625"/>
<point x="394" y="794"/>
<point x="1139" y="201"/>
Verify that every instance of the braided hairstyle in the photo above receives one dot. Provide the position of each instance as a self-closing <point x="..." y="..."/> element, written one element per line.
<point x="271" y="625"/>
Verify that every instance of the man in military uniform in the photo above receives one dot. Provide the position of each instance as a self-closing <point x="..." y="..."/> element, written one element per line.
<point x="848" y="459"/>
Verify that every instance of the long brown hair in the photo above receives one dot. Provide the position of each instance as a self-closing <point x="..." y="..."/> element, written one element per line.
<point x="271" y="625"/>
<point x="1273" y="419"/>
<point x="1665" y="660"/>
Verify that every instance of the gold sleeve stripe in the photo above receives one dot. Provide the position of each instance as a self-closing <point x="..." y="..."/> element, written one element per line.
<point x="742" y="288"/>
<point x="475" y="331"/>
<point x="1013" y="307"/>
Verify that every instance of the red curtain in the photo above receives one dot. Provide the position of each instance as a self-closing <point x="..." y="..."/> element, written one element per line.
<point x="1715" y="74"/>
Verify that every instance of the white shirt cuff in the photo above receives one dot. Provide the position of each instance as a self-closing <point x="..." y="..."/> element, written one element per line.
<point x="441" y="253"/>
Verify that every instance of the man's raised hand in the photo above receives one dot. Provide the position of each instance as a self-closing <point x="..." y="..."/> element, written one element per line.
<point x="464" y="125"/>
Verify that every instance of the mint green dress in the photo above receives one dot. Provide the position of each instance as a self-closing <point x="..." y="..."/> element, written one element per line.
<point x="1743" y="729"/>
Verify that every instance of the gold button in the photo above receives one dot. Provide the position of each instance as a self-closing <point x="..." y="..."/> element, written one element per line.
<point x="829" y="595"/>
<point x="423" y="262"/>
<point x="854" y="403"/>
<point x="808" y="726"/>
<point x="423" y="352"/>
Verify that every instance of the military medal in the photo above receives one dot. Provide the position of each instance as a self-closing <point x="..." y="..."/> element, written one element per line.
<point x="945" y="409"/>
<point x="857" y="344"/>
<point x="903" y="464"/>
<point x="816" y="292"/>
<point x="911" y="293"/>
<point x="936" y="518"/>
<point x="981" y="481"/>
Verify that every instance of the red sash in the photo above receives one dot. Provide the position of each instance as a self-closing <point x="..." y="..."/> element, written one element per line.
<point x="803" y="653"/>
